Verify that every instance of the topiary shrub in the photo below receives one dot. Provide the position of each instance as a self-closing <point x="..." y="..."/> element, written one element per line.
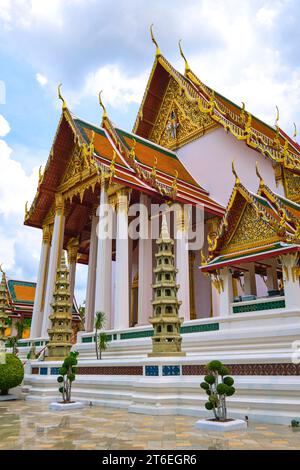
<point x="11" y="373"/>
<point x="67" y="376"/>
<point x="218" y="385"/>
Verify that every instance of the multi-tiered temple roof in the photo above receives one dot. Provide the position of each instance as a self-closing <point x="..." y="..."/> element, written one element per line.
<point x="254" y="227"/>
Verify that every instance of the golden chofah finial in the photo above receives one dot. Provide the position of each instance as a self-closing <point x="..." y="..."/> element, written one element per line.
<point x="1" y="270"/>
<point x="187" y="67"/>
<point x="243" y="112"/>
<point x="237" y="179"/>
<point x="157" y="53"/>
<point x="40" y="174"/>
<point x="295" y="132"/>
<point x="102" y="106"/>
<point x="64" y="104"/>
<point x="26" y="209"/>
<point x="261" y="180"/>
<point x="277" y="117"/>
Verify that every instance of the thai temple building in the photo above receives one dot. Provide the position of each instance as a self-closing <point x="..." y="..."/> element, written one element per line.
<point x="237" y="296"/>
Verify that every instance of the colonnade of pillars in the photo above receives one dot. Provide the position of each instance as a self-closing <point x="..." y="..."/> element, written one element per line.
<point x="101" y="294"/>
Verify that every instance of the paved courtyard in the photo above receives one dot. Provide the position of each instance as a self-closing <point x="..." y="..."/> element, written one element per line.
<point x="26" y="425"/>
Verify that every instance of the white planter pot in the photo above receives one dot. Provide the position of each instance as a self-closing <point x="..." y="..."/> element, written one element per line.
<point x="66" y="406"/>
<point x="232" y="425"/>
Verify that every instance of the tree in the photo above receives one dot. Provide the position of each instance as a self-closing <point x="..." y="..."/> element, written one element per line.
<point x="11" y="373"/>
<point x="102" y="343"/>
<point x="81" y="311"/>
<point x="12" y="343"/>
<point x="67" y="376"/>
<point x="99" y="324"/>
<point x="218" y="385"/>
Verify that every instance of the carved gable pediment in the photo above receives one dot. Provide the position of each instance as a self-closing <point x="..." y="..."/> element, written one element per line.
<point x="292" y="185"/>
<point x="250" y="231"/>
<point x="179" y="119"/>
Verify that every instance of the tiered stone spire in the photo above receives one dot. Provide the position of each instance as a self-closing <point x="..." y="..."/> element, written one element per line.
<point x="60" y="332"/>
<point x="3" y="311"/>
<point x="166" y="323"/>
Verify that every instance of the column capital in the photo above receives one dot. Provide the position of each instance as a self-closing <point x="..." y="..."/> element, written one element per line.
<point x="290" y="266"/>
<point x="122" y="199"/>
<point x="59" y="204"/>
<point x="46" y="234"/>
<point x="72" y="250"/>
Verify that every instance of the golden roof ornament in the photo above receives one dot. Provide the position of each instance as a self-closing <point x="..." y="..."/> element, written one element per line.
<point x="64" y="104"/>
<point x="237" y="179"/>
<point x="261" y="180"/>
<point x="243" y="112"/>
<point x="132" y="149"/>
<point x="295" y="132"/>
<point x="187" y="67"/>
<point x="277" y="116"/>
<point x="174" y="183"/>
<point x="104" y="115"/>
<point x="112" y="169"/>
<point x="26" y="210"/>
<point x="157" y="53"/>
<point x="153" y="172"/>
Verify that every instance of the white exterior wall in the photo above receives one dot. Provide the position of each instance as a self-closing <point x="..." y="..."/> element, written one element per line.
<point x="209" y="158"/>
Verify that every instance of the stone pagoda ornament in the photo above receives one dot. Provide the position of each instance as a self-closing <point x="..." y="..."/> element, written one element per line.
<point x="60" y="333"/>
<point x="166" y="340"/>
<point x="3" y="312"/>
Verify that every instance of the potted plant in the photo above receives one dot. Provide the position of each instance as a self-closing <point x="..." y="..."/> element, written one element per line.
<point x="11" y="375"/>
<point x="218" y="385"/>
<point x="102" y="343"/>
<point x="65" y="380"/>
<point x="99" y="324"/>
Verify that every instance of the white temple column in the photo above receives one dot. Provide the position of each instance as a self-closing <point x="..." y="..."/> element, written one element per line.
<point x="145" y="263"/>
<point x="104" y="258"/>
<point x="91" y="278"/>
<point x="250" y="281"/>
<point x="224" y="284"/>
<point x="182" y="263"/>
<point x="290" y="270"/>
<point x="121" y="317"/>
<point x="55" y="256"/>
<point x="72" y="249"/>
<point x="38" y="307"/>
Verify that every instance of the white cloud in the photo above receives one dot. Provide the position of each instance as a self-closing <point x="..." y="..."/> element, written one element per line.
<point x="4" y="126"/>
<point x="266" y="16"/>
<point x="18" y="244"/>
<point x="119" y="89"/>
<point x="41" y="79"/>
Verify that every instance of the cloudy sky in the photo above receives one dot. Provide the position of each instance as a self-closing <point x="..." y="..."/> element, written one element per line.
<point x="248" y="50"/>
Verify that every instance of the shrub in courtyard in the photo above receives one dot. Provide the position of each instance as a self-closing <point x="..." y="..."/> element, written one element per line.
<point x="67" y="376"/>
<point x="218" y="385"/>
<point x="11" y="373"/>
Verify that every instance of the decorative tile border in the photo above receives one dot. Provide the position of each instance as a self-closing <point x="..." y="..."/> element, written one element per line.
<point x="151" y="371"/>
<point x="171" y="370"/>
<point x="284" y="369"/>
<point x="258" y="307"/>
<point x="113" y="370"/>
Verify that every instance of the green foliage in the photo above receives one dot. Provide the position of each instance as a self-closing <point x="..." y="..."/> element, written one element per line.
<point x="99" y="320"/>
<point x="295" y="423"/>
<point x="228" y="381"/>
<point x="214" y="366"/>
<point x="224" y="371"/>
<point x="210" y="379"/>
<point x="67" y="376"/>
<point x="209" y="406"/>
<point x="204" y="385"/>
<point x="218" y="385"/>
<point x="11" y="373"/>
<point x="230" y="392"/>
